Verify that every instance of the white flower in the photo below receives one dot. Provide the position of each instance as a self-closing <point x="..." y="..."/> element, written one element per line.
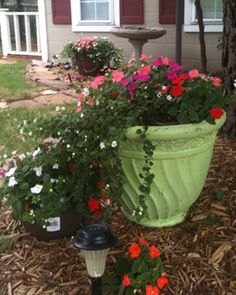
<point x="52" y="180"/>
<point x="13" y="153"/>
<point x="97" y="103"/>
<point x="81" y="115"/>
<point x="30" y="133"/>
<point x="85" y="92"/>
<point x="55" y="166"/>
<point x="114" y="143"/>
<point x="169" y="97"/>
<point x="35" y="120"/>
<point x="36" y="152"/>
<point x="24" y="122"/>
<point x="68" y="146"/>
<point x="31" y="212"/>
<point x="12" y="181"/>
<point x="235" y="83"/>
<point x="4" y="156"/>
<point x="36" y="189"/>
<point x="102" y="145"/>
<point x="38" y="170"/>
<point x="63" y="108"/>
<point x="22" y="156"/>
<point x="21" y="131"/>
<point x="57" y="109"/>
<point x="51" y="190"/>
<point x="159" y="94"/>
<point x="11" y="172"/>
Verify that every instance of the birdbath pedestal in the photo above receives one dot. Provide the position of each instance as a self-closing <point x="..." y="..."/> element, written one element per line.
<point x="138" y="36"/>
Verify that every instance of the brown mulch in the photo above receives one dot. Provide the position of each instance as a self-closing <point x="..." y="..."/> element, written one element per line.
<point x="199" y="255"/>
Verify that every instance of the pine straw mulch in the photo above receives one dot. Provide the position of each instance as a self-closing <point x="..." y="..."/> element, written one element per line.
<point x="199" y="255"/>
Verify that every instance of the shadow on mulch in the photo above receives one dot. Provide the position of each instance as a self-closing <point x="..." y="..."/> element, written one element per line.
<point x="199" y="255"/>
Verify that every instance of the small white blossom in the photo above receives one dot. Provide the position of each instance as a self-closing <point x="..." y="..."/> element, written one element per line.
<point x="140" y="213"/>
<point x="11" y="172"/>
<point x="235" y="83"/>
<point x="22" y="156"/>
<point x="55" y="166"/>
<point x="52" y="180"/>
<point x="102" y="145"/>
<point x="57" y="109"/>
<point x="13" y="153"/>
<point x="12" y="181"/>
<point x="35" y="120"/>
<point x="159" y="94"/>
<point x="4" y="156"/>
<point x="97" y="102"/>
<point x="21" y="131"/>
<point x="169" y="97"/>
<point x="31" y="212"/>
<point x="114" y="143"/>
<point x="38" y="170"/>
<point x="36" y="152"/>
<point x="85" y="92"/>
<point x="51" y="190"/>
<point x="81" y="115"/>
<point x="30" y="133"/>
<point x="58" y="133"/>
<point x="24" y="122"/>
<point x="36" y="189"/>
<point x="68" y="146"/>
<point x="63" y="108"/>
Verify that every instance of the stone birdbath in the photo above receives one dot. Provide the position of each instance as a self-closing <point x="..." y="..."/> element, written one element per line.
<point x="138" y="36"/>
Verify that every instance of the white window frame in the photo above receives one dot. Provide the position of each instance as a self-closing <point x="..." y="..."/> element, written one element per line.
<point x="190" y="22"/>
<point x="79" y="25"/>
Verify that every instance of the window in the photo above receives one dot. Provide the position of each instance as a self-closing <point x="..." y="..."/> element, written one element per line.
<point x="94" y="15"/>
<point x="212" y="15"/>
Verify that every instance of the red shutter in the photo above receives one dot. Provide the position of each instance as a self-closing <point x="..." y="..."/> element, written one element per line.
<point x="131" y="11"/>
<point x="167" y="11"/>
<point x="61" y="12"/>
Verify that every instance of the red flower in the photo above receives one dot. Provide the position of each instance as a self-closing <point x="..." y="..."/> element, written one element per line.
<point x="216" y="113"/>
<point x="165" y="89"/>
<point x="72" y="168"/>
<point x="162" y="281"/>
<point x="143" y="242"/>
<point x="180" y="79"/>
<point x="132" y="87"/>
<point x="101" y="185"/>
<point x="150" y="290"/>
<point x="90" y="102"/>
<point x="126" y="281"/>
<point x="93" y="204"/>
<point x="154" y="252"/>
<point x="134" y="250"/>
<point x="177" y="90"/>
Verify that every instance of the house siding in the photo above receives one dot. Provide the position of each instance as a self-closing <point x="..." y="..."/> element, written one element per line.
<point x="165" y="46"/>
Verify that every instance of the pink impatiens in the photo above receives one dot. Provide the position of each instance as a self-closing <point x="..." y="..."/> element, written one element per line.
<point x="98" y="81"/>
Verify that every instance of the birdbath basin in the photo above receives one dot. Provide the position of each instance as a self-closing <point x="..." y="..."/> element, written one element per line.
<point x="138" y="36"/>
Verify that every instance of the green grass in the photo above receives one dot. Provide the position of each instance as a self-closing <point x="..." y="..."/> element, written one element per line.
<point x="12" y="121"/>
<point x="13" y="83"/>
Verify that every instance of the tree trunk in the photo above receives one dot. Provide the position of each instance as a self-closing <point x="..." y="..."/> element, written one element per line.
<point x="229" y="63"/>
<point x="201" y="35"/>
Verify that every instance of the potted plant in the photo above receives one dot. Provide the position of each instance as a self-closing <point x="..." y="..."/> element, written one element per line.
<point x="92" y="55"/>
<point x="44" y="192"/>
<point x="139" y="272"/>
<point x="150" y="128"/>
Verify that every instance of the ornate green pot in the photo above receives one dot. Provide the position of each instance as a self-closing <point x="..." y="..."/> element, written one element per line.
<point x="181" y="161"/>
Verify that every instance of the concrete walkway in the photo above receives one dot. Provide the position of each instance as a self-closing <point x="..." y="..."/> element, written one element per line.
<point x="56" y="91"/>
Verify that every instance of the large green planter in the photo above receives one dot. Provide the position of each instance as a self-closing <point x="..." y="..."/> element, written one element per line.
<point x="181" y="161"/>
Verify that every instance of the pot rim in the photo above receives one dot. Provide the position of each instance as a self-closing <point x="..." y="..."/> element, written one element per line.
<point x="177" y="131"/>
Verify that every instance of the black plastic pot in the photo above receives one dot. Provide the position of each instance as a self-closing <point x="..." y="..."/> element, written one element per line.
<point x="86" y="65"/>
<point x="69" y="223"/>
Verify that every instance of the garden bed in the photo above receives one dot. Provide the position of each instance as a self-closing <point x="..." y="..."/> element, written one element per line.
<point x="199" y="255"/>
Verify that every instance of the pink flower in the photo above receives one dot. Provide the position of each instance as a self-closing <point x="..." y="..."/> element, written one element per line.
<point x="78" y="109"/>
<point x="81" y="96"/>
<point x="98" y="81"/>
<point x="171" y="75"/>
<point x="165" y="61"/>
<point x="157" y="62"/>
<point x="193" y="73"/>
<point x="216" y="81"/>
<point x="144" y="57"/>
<point x="142" y="78"/>
<point x="90" y="102"/>
<point x="2" y="173"/>
<point x="175" y="66"/>
<point x="117" y="76"/>
<point x="132" y="87"/>
<point x="144" y="70"/>
<point x="125" y="82"/>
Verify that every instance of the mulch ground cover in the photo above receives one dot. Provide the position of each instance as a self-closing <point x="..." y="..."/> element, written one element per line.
<point x="199" y="255"/>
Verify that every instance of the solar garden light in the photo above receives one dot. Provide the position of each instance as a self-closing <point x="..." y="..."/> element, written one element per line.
<point x="95" y="241"/>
